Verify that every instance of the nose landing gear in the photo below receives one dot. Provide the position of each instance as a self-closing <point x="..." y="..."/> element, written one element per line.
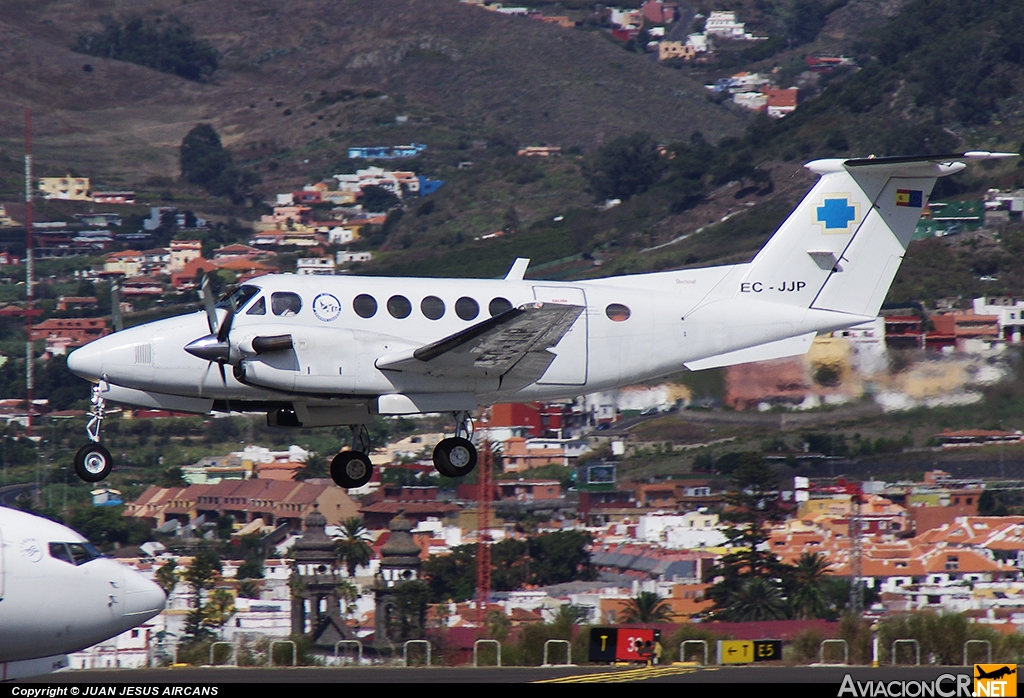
<point x="456" y="456"/>
<point x="93" y="461"/>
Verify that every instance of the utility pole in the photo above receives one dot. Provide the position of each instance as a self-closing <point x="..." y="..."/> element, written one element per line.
<point x="29" y="374"/>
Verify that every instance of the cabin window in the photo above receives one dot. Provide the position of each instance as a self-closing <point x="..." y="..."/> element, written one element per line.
<point x="617" y="312"/>
<point x="399" y="307"/>
<point x="365" y="305"/>
<point x="285" y="303"/>
<point x="432" y="307"/>
<point x="499" y="306"/>
<point x="467" y="308"/>
<point x="258" y="308"/>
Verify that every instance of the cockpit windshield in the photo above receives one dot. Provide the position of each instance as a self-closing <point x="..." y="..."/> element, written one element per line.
<point x="240" y="296"/>
<point x="74" y="553"/>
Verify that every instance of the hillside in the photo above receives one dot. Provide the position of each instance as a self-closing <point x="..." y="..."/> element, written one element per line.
<point x="299" y="82"/>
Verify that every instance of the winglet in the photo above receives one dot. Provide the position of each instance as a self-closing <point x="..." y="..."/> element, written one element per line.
<point x="518" y="269"/>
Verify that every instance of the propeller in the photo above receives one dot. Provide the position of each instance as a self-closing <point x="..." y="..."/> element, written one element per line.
<point x="216" y="346"/>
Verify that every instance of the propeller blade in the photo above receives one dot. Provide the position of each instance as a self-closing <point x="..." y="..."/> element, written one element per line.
<point x="225" y="327"/>
<point x="206" y="293"/>
<point x="115" y="305"/>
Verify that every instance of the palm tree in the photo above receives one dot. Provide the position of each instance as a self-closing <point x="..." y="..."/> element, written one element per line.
<point x="756" y="599"/>
<point x="353" y="548"/>
<point x="807" y="598"/>
<point x="314" y="467"/>
<point x="647" y="607"/>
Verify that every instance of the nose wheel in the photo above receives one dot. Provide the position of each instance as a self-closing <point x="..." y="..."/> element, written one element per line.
<point x="456" y="456"/>
<point x="93" y="462"/>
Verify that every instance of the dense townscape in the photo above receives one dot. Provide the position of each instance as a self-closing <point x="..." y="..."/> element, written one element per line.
<point x="871" y="487"/>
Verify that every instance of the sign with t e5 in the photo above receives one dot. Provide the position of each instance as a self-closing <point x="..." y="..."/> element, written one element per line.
<point x="749" y="651"/>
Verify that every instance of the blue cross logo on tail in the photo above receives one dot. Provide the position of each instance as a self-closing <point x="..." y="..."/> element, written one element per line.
<point x="836" y="214"/>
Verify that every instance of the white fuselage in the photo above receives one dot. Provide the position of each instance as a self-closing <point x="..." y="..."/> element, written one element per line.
<point x="57" y="597"/>
<point x="673" y="317"/>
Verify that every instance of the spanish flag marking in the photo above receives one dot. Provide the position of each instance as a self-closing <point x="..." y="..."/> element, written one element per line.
<point x="913" y="198"/>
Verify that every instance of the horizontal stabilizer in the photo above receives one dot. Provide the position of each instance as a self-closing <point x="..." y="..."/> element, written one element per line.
<point x="781" y="349"/>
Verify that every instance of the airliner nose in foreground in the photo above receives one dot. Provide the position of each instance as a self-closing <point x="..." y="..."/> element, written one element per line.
<point x="58" y="594"/>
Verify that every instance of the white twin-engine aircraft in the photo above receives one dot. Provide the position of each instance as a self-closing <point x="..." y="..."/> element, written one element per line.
<point x="337" y="350"/>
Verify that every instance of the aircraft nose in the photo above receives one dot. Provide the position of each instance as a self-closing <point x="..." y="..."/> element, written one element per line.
<point x="87" y="362"/>
<point x="143" y="599"/>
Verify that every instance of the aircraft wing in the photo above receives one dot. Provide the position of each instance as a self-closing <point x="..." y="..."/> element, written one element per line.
<point x="513" y="344"/>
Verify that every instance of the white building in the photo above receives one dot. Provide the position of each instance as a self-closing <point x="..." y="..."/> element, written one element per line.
<point x="1010" y="312"/>
<point x="724" y="24"/>
<point x="314" y="266"/>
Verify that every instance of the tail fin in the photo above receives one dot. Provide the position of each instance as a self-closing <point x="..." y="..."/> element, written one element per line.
<point x="841" y="247"/>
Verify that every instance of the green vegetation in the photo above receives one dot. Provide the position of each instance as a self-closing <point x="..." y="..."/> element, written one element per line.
<point x="206" y="162"/>
<point x="551" y="558"/>
<point x="166" y="45"/>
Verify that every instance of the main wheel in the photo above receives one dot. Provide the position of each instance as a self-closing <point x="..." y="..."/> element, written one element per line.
<point x="351" y="469"/>
<point x="93" y="462"/>
<point x="454" y="457"/>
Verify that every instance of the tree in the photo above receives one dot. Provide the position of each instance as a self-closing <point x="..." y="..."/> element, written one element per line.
<point x="219" y="609"/>
<point x="625" y="167"/>
<point x="753" y="505"/>
<point x="353" y="548"/>
<point x="166" y="45"/>
<point x="756" y="598"/>
<point x="316" y="466"/>
<point x="203" y="158"/>
<point x="167" y="576"/>
<point x="805" y="586"/>
<point x="647" y="607"/>
<point x="378" y="199"/>
<point x="201" y="575"/>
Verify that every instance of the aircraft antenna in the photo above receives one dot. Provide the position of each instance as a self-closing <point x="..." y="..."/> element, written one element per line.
<point x="485" y="479"/>
<point x="29" y="376"/>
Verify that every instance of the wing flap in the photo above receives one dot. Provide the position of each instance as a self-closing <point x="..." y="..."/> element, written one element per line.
<point x="492" y="347"/>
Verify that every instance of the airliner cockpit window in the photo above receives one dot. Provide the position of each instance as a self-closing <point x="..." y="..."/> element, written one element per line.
<point x="259" y="307"/>
<point x="285" y="303"/>
<point x="82" y="553"/>
<point x="59" y="551"/>
<point x="240" y="296"/>
<point x="74" y="553"/>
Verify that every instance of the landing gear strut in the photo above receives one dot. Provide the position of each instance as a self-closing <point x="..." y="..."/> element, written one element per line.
<point x="351" y="469"/>
<point x="456" y="456"/>
<point x="93" y="461"/>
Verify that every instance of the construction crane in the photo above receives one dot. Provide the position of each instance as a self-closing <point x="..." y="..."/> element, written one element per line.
<point x="485" y="477"/>
<point x="856" y="548"/>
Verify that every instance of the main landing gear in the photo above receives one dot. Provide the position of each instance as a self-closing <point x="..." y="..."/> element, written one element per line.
<point x="93" y="461"/>
<point x="351" y="469"/>
<point x="453" y="457"/>
<point x="456" y="456"/>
